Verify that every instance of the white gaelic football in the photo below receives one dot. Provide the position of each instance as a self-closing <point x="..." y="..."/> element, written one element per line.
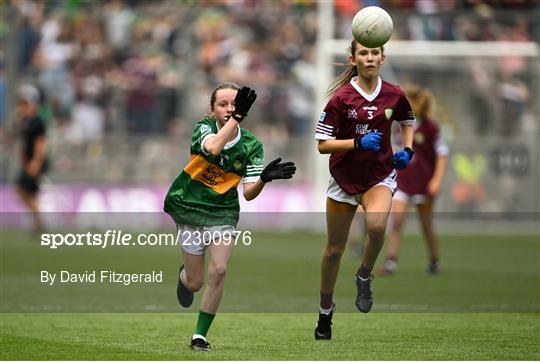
<point x="372" y="27"/>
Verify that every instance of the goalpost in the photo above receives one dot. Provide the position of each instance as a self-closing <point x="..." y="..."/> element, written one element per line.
<point x="327" y="48"/>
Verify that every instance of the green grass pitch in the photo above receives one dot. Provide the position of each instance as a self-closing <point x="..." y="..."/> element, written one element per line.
<point x="288" y="336"/>
<point x="483" y="306"/>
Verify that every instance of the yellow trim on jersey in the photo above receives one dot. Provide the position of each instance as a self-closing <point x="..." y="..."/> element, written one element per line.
<point x="211" y="175"/>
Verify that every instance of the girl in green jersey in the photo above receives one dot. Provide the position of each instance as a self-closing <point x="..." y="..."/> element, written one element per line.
<point x="203" y="200"/>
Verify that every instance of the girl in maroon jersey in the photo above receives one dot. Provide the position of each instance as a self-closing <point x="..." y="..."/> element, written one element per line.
<point x="419" y="183"/>
<point x="355" y="129"/>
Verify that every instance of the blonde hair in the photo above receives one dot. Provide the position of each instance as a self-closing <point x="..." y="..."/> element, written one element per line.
<point x="421" y="100"/>
<point x="349" y="73"/>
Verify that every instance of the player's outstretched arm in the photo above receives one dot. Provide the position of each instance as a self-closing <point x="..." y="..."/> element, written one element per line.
<point x="275" y="170"/>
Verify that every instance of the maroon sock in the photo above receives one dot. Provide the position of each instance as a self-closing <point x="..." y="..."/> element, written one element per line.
<point x="326" y="300"/>
<point x="363" y="272"/>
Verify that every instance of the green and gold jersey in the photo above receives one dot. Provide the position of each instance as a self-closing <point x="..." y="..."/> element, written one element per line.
<point x="205" y="192"/>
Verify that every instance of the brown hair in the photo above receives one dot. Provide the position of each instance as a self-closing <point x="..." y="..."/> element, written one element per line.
<point x="349" y="73"/>
<point x="226" y="85"/>
<point x="421" y="100"/>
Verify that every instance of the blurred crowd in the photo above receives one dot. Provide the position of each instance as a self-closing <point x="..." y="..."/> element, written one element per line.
<point x="146" y="68"/>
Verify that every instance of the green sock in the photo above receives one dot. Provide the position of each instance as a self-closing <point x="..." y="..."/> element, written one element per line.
<point x="204" y="322"/>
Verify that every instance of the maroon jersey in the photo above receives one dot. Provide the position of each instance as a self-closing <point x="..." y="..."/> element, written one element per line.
<point x="351" y="113"/>
<point x="427" y="146"/>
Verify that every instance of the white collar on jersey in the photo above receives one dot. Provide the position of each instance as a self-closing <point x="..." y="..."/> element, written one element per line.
<point x="368" y="97"/>
<point x="234" y="141"/>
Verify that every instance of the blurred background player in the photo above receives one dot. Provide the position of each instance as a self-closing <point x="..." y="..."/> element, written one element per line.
<point x="203" y="200"/>
<point x="355" y="128"/>
<point x="420" y="183"/>
<point x="34" y="148"/>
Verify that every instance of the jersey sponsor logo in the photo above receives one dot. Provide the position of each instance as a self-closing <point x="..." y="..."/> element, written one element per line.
<point x="351" y="114"/>
<point x="370" y="108"/>
<point x="205" y="128"/>
<point x="362" y="129"/>
<point x="237" y="164"/>
<point x="321" y="117"/>
<point x="388" y="113"/>
<point x="211" y="175"/>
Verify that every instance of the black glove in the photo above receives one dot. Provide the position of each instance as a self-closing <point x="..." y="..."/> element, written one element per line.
<point x="275" y="170"/>
<point x="243" y="102"/>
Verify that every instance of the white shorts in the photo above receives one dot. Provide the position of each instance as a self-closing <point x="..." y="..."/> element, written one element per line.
<point x="335" y="192"/>
<point x="417" y="199"/>
<point x="195" y="239"/>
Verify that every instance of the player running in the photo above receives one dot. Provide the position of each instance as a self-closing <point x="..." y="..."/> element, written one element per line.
<point x="355" y="129"/>
<point x="203" y="200"/>
<point x="419" y="183"/>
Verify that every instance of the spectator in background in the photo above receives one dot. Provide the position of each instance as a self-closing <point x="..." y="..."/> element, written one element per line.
<point x="31" y="16"/>
<point x="118" y="19"/>
<point x="419" y="183"/>
<point x="141" y="91"/>
<point x="52" y="59"/>
<point x="29" y="40"/>
<point x="88" y="113"/>
<point x="34" y="149"/>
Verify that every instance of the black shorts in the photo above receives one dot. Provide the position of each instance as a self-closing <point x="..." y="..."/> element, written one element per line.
<point x="29" y="184"/>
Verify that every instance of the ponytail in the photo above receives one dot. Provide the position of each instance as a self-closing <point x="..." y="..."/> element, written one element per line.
<point x="349" y="73"/>
<point x="343" y="78"/>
